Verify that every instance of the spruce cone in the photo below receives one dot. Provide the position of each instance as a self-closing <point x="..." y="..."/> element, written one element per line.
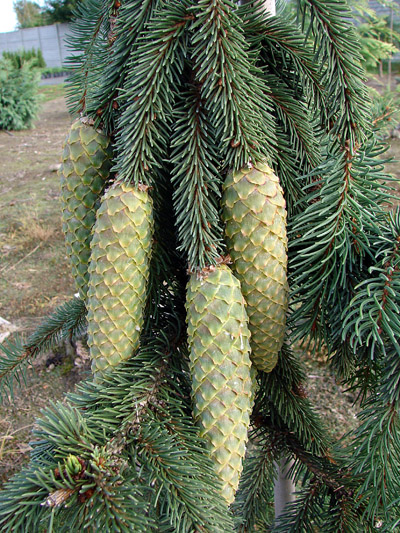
<point x="119" y="271"/>
<point x="255" y="216"/>
<point x="86" y="163"/>
<point x="220" y="366"/>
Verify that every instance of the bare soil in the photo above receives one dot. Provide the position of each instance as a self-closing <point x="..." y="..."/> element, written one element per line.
<point x="34" y="270"/>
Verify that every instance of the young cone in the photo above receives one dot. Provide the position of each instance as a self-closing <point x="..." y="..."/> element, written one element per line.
<point x="222" y="393"/>
<point x="85" y="168"/>
<point x="255" y="216"/>
<point x="119" y="270"/>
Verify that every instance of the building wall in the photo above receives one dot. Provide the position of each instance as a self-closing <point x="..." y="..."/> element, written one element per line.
<point x="49" y="39"/>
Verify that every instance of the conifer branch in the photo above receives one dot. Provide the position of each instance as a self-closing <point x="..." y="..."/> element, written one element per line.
<point x="373" y="314"/>
<point x="362" y="488"/>
<point x="288" y="170"/>
<point x="295" y="90"/>
<point x="331" y="239"/>
<point x="127" y="21"/>
<point x="148" y="95"/>
<point x="167" y="456"/>
<point x="88" y="44"/>
<point x="295" y="130"/>
<point x="322" y="508"/>
<point x="167" y="280"/>
<point x="338" y="50"/>
<point x="235" y="96"/>
<point x="79" y="474"/>
<point x="282" y="404"/>
<point x="342" y="358"/>
<point x="254" y="495"/>
<point x="295" y="117"/>
<point x="68" y="320"/>
<point x="345" y="242"/>
<point x="302" y="515"/>
<point x="327" y="498"/>
<point x="15" y="517"/>
<point x="281" y="48"/>
<point x="14" y="360"/>
<point x="196" y="178"/>
<point x="324" y="479"/>
<point x="376" y="458"/>
<point x="122" y="453"/>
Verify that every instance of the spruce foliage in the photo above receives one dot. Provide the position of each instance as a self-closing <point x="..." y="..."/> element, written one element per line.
<point x="67" y="321"/>
<point x="19" y="99"/>
<point x="187" y="91"/>
<point x="33" y="57"/>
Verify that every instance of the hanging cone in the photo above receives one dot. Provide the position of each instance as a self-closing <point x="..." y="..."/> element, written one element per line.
<point x="220" y="366"/>
<point x="85" y="168"/>
<point x="254" y="211"/>
<point x="119" y="271"/>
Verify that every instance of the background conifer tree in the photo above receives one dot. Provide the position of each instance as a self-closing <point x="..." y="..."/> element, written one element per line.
<point x="189" y="93"/>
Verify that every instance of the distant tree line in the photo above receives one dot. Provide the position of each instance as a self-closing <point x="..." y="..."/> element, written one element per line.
<point x="31" y="14"/>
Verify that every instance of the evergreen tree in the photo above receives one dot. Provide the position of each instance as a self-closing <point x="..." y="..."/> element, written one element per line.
<point x="59" y="10"/>
<point x="206" y="103"/>
<point x="28" y="14"/>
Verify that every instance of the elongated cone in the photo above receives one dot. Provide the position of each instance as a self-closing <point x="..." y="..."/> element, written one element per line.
<point x="220" y="366"/>
<point x="119" y="271"/>
<point x="85" y="168"/>
<point x="254" y="210"/>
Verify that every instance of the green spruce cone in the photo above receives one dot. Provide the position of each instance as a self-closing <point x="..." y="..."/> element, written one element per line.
<point x="220" y="365"/>
<point x="254" y="211"/>
<point x="85" y="168"/>
<point x="119" y="271"/>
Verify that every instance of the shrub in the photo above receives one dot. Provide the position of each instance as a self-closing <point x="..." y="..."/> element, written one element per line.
<point x="53" y="72"/>
<point x="34" y="58"/>
<point x="18" y="95"/>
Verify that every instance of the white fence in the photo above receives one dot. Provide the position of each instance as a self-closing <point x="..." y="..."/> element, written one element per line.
<point x="49" y="39"/>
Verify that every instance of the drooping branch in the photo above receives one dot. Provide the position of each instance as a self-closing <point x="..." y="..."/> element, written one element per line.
<point x="88" y="44"/>
<point x="142" y="136"/>
<point x="232" y="91"/>
<point x="338" y="51"/>
<point x="373" y="314"/>
<point x="196" y="178"/>
<point x="127" y="21"/>
<point x="331" y="239"/>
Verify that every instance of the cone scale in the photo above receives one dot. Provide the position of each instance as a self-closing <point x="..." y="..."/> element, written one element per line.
<point x="119" y="271"/>
<point x="254" y="212"/>
<point x="220" y="366"/>
<point x="85" y="168"/>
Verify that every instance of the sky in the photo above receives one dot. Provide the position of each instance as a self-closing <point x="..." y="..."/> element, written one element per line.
<point x="8" y="20"/>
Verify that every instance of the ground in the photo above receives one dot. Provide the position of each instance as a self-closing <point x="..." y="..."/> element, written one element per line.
<point x="34" y="270"/>
<point x="35" y="278"/>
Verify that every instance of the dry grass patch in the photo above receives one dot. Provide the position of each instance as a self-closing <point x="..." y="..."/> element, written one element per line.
<point x="37" y="230"/>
